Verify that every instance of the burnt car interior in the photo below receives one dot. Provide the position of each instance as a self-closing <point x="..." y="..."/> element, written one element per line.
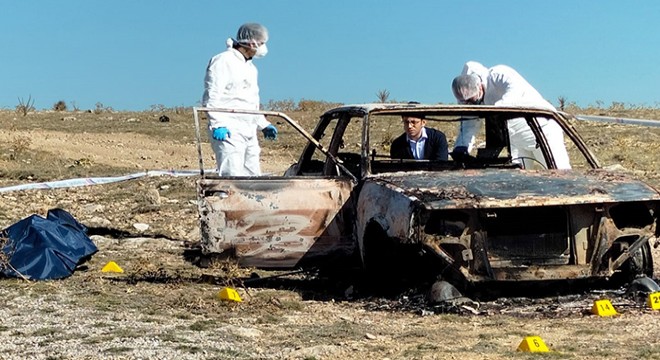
<point x="493" y="151"/>
<point x="363" y="146"/>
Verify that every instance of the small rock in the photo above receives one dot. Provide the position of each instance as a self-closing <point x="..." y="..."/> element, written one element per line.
<point x="426" y="313"/>
<point x="141" y="226"/>
<point x="93" y="208"/>
<point x="164" y="118"/>
<point x="348" y="293"/>
<point x="370" y="336"/>
<point x="244" y="332"/>
<point x="97" y="221"/>
<point x="194" y="235"/>
<point x="443" y="291"/>
<point x="153" y="197"/>
<point x="615" y="167"/>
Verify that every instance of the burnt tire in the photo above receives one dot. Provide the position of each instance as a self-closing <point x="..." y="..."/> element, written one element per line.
<point x="379" y="258"/>
<point x="640" y="263"/>
<point x="390" y="265"/>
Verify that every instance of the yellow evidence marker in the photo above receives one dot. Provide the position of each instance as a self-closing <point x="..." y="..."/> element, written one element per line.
<point x="603" y="308"/>
<point x="229" y="294"/>
<point x="654" y="300"/>
<point x="112" y="267"/>
<point x="533" y="344"/>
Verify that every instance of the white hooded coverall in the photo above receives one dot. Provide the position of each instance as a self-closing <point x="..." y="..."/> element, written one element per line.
<point x="231" y="83"/>
<point x="504" y="86"/>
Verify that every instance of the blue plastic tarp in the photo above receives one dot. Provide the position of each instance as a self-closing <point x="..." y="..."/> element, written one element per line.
<point x="41" y="248"/>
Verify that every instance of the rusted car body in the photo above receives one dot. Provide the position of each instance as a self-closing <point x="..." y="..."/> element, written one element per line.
<point x="484" y="218"/>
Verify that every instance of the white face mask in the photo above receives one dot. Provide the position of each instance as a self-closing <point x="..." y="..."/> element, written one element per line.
<point x="262" y="50"/>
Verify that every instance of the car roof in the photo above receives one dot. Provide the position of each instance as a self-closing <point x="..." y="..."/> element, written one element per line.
<point x="437" y="109"/>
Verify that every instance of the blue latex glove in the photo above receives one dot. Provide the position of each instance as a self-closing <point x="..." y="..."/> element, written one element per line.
<point x="221" y="134"/>
<point x="270" y="132"/>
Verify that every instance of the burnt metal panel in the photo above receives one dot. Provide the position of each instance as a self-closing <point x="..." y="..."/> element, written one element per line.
<point x="511" y="188"/>
<point x="276" y="222"/>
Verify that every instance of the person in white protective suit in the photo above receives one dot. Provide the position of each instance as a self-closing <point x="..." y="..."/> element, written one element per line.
<point x="501" y="85"/>
<point x="231" y="83"/>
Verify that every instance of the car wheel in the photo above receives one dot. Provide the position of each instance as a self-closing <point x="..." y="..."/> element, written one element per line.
<point x="640" y="263"/>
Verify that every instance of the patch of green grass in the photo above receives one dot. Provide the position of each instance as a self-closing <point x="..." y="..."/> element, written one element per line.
<point x="172" y="337"/>
<point x="291" y="305"/>
<point x="231" y="354"/>
<point x="107" y="303"/>
<point x="589" y="331"/>
<point x="47" y="331"/>
<point x="270" y="319"/>
<point x="337" y="331"/>
<point x="202" y="325"/>
<point x="99" y="339"/>
<point x="190" y="349"/>
<point x="128" y="333"/>
<point x="552" y="354"/>
<point x="454" y="318"/>
<point x="118" y="350"/>
<point x="649" y="352"/>
<point x="484" y="346"/>
<point x="519" y="333"/>
<point x="427" y="333"/>
<point x="420" y="351"/>
<point x="102" y="325"/>
<point x="183" y="316"/>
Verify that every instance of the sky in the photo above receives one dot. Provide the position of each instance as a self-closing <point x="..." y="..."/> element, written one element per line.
<point x="134" y="55"/>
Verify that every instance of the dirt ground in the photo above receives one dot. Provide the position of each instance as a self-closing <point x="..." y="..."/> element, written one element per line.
<point x="164" y="306"/>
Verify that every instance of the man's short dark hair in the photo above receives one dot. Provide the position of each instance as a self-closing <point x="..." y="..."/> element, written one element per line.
<point x="415" y="115"/>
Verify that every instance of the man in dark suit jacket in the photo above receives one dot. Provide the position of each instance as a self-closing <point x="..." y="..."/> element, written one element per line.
<point x="418" y="141"/>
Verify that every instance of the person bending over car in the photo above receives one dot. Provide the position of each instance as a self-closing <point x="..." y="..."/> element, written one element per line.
<point x="419" y="142"/>
<point x="501" y="85"/>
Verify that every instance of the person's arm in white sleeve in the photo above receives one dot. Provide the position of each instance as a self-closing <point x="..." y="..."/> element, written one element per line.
<point x="262" y="122"/>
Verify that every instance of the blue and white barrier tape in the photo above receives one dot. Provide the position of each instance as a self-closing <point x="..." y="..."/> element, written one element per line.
<point x="642" y="122"/>
<point x="98" y="180"/>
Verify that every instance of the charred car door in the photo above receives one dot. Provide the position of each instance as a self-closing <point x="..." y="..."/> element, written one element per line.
<point x="286" y="221"/>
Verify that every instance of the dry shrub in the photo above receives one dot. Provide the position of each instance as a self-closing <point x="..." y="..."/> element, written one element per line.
<point x="281" y="105"/>
<point x="315" y="105"/>
<point x="19" y="146"/>
<point x="100" y="108"/>
<point x="24" y="107"/>
<point x="181" y="110"/>
<point x="383" y="95"/>
<point x="6" y="253"/>
<point x="4" y="257"/>
<point x="60" y="106"/>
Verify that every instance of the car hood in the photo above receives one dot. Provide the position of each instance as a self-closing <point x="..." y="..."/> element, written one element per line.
<point x="490" y="188"/>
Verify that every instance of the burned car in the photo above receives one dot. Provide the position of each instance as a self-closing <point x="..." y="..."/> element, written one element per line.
<point x="482" y="219"/>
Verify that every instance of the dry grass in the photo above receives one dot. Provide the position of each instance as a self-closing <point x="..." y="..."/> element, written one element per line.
<point x="164" y="299"/>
